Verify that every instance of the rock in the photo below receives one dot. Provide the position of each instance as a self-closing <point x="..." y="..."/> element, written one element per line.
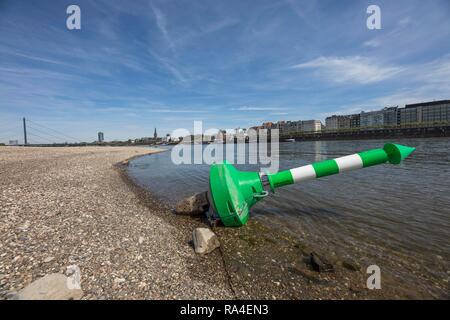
<point x="12" y="295"/>
<point x="307" y="274"/>
<point x="351" y="265"/>
<point x="194" y="205"/>
<point x="205" y="241"/>
<point x="49" y="259"/>
<point x="141" y="240"/>
<point x="50" y="287"/>
<point x="319" y="264"/>
<point x="72" y="270"/>
<point x="119" y="280"/>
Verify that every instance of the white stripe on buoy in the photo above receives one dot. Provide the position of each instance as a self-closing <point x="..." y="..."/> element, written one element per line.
<point x="303" y="173"/>
<point x="350" y="162"/>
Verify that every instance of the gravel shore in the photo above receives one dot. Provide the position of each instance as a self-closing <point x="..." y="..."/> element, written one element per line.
<point x="73" y="206"/>
<point x="77" y="206"/>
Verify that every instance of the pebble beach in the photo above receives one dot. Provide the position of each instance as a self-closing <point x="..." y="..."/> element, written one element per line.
<point x="72" y="206"/>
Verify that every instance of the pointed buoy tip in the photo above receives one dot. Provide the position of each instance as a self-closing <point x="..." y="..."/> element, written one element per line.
<point x="397" y="152"/>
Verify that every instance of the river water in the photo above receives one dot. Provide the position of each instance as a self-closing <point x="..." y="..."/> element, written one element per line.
<point x="395" y="216"/>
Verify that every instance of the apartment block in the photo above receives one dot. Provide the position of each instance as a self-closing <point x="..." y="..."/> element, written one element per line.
<point x="372" y="119"/>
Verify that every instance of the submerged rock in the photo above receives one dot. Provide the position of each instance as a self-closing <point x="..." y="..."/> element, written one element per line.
<point x="319" y="263"/>
<point x="351" y="265"/>
<point x="205" y="241"/>
<point x="50" y="287"/>
<point x="194" y="205"/>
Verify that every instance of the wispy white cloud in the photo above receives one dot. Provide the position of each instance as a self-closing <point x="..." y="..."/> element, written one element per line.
<point x="161" y="22"/>
<point x="355" y="69"/>
<point x="404" y="22"/>
<point x="170" y="67"/>
<point x="419" y="83"/>
<point x="374" y="43"/>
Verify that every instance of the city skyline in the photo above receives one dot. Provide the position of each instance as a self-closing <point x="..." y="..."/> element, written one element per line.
<point x="230" y="64"/>
<point x="427" y="114"/>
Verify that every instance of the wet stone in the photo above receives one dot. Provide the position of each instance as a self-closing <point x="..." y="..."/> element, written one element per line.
<point x="194" y="205"/>
<point x="319" y="263"/>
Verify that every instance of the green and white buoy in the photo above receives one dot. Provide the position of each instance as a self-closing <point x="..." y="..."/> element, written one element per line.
<point x="232" y="192"/>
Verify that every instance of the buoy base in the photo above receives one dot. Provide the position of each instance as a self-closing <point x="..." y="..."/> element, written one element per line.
<point x="233" y="192"/>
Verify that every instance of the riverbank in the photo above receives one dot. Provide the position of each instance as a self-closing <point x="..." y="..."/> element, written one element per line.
<point x="77" y="206"/>
<point x="71" y="206"/>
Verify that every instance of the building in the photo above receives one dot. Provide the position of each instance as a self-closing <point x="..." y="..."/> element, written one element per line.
<point x="409" y="116"/>
<point x="372" y="119"/>
<point x="13" y="142"/>
<point x="155" y="135"/>
<point x="355" y="120"/>
<point x="290" y="127"/>
<point x="268" y="125"/>
<point x="391" y="117"/>
<point x="425" y="113"/>
<point x="311" y="126"/>
<point x="280" y="126"/>
<point x="429" y="112"/>
<point x="335" y="123"/>
<point x="332" y="123"/>
<point x="101" y="138"/>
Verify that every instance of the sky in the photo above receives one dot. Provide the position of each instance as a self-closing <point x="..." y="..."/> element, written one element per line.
<point x="137" y="65"/>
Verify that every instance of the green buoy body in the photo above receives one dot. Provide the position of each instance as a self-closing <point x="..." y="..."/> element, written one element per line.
<point x="233" y="192"/>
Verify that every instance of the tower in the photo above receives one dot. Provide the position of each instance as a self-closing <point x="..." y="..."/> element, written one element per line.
<point x="155" y="135"/>
<point x="25" y="141"/>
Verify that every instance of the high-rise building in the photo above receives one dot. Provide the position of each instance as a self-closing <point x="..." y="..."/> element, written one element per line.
<point x="155" y="135"/>
<point x="101" y="138"/>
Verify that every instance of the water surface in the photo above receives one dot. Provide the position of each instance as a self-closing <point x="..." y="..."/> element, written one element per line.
<point x="397" y="217"/>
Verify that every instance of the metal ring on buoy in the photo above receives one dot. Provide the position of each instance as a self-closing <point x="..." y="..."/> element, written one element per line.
<point x="261" y="195"/>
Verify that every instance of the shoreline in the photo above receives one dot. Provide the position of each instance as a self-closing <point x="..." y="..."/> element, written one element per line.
<point x="264" y="262"/>
<point x="65" y="206"/>
<point x="185" y="223"/>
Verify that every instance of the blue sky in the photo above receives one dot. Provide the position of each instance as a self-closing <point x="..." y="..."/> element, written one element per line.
<point x="136" y="65"/>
